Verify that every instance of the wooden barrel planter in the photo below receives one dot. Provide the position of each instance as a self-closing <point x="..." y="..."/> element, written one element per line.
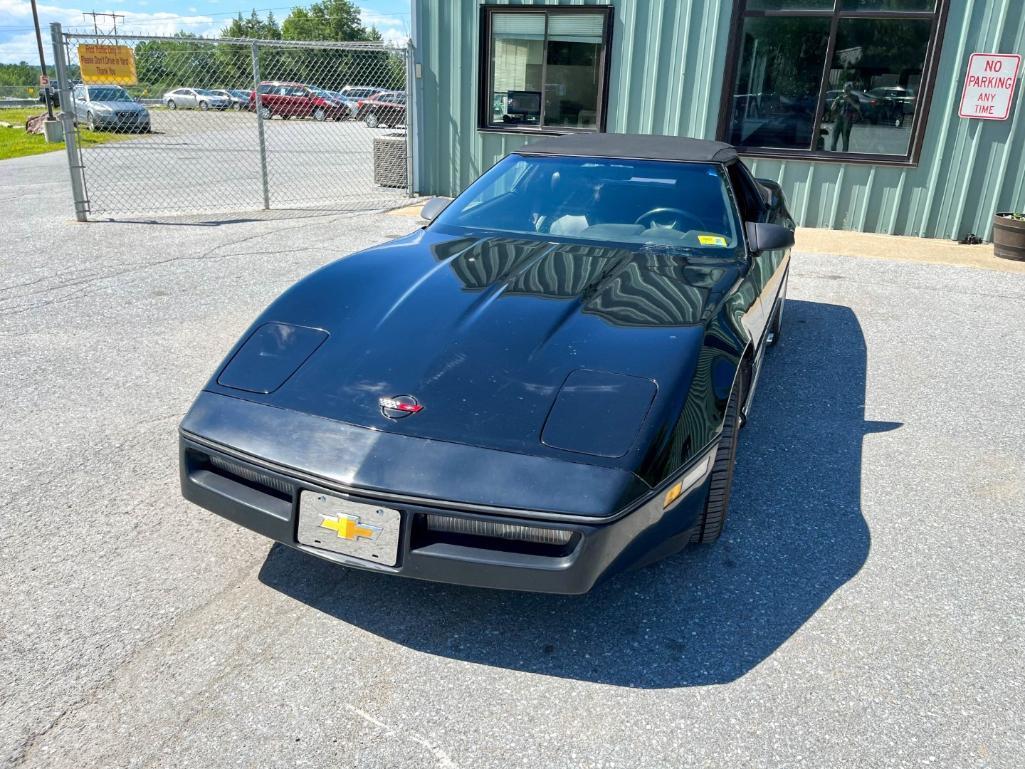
<point x="1009" y="237"/>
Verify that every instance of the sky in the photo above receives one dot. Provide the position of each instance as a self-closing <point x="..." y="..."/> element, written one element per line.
<point x="164" y="17"/>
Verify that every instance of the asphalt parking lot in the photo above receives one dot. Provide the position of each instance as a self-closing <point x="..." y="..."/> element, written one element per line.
<point x="864" y="608"/>
<point x="210" y="161"/>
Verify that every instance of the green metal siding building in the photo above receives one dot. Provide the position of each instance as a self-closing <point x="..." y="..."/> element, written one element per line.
<point x="739" y="69"/>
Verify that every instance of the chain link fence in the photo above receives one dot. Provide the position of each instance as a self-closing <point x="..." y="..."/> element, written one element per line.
<point x="18" y="94"/>
<point x="192" y="125"/>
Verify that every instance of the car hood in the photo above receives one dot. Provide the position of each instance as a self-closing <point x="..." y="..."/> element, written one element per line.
<point x="120" y="106"/>
<point x="484" y="331"/>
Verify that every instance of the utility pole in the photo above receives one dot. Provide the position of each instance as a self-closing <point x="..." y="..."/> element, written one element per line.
<point x="113" y="16"/>
<point x="42" y="64"/>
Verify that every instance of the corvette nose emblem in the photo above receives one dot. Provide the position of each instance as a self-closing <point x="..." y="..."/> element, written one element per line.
<point x="399" y="406"/>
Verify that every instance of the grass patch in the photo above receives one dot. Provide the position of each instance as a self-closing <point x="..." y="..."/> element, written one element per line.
<point x="16" y="143"/>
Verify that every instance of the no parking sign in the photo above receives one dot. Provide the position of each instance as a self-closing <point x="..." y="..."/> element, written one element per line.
<point x="989" y="86"/>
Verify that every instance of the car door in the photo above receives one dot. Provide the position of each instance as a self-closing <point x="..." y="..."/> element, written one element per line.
<point x="283" y="100"/>
<point x="266" y="91"/>
<point x="305" y="100"/>
<point x="378" y="105"/>
<point x="389" y="110"/>
<point x="760" y="203"/>
<point x="399" y="110"/>
<point x="749" y="290"/>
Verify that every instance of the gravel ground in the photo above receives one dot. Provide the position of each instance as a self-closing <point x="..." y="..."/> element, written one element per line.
<point x="864" y="608"/>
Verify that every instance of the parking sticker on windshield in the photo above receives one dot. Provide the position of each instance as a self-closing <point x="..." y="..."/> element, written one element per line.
<point x="712" y="240"/>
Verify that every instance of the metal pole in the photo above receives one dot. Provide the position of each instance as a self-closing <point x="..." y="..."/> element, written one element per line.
<point x="259" y="127"/>
<point x="42" y="60"/>
<point x="68" y="123"/>
<point x="412" y="118"/>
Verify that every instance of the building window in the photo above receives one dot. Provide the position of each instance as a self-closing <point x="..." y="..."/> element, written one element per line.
<point x="544" y="69"/>
<point x="841" y="79"/>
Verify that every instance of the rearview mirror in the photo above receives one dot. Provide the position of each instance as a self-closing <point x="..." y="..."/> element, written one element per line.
<point x="767" y="237"/>
<point x="433" y="207"/>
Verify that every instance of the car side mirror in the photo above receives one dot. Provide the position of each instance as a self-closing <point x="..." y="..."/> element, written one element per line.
<point x="433" y="207"/>
<point x="774" y="189"/>
<point x="768" y="237"/>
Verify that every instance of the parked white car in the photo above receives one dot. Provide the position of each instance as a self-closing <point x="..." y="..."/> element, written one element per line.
<point x="195" y="98"/>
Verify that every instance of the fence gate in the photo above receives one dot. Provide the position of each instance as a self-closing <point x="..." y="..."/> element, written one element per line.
<point x="187" y="125"/>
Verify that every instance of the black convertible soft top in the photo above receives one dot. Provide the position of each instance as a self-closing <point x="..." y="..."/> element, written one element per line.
<point x="633" y="147"/>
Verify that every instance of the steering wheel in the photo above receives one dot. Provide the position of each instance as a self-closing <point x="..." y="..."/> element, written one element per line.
<point x="669" y="218"/>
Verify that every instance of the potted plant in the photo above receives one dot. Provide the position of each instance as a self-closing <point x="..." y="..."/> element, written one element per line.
<point x="1009" y="235"/>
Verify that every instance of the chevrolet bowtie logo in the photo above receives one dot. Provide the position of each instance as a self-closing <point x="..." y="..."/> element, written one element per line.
<point x="349" y="527"/>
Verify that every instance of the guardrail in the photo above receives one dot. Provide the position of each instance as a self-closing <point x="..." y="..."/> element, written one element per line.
<point x="7" y="103"/>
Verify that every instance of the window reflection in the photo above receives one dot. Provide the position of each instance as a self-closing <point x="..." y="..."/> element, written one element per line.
<point x="874" y="78"/>
<point x="865" y="99"/>
<point x="777" y="84"/>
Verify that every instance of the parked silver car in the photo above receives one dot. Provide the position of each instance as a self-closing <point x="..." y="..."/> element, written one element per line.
<point x="239" y="99"/>
<point x="108" y="107"/>
<point x="195" y="98"/>
<point x="354" y="97"/>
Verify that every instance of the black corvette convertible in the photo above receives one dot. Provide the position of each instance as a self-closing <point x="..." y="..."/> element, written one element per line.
<point x="540" y="388"/>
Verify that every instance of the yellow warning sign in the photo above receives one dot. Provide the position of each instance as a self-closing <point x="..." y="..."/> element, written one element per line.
<point x="107" y="64"/>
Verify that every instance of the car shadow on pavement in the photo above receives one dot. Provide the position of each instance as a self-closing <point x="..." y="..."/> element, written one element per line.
<point x="705" y="616"/>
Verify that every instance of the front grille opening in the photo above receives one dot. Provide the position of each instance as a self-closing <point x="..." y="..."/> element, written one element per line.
<point x="429" y="529"/>
<point x="248" y="476"/>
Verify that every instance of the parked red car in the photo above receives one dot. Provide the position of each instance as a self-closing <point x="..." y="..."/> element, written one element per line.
<point x="388" y="108"/>
<point x="296" y="100"/>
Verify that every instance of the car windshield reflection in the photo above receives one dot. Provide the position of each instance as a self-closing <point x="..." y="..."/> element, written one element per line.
<point x="673" y="205"/>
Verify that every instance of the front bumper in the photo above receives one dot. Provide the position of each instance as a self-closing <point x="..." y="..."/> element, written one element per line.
<point x="263" y="496"/>
<point x="116" y="122"/>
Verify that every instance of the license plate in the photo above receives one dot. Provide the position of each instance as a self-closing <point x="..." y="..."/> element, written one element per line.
<point x="368" y="532"/>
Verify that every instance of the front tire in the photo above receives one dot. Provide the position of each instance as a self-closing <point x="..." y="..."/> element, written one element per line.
<point x="319" y="115"/>
<point x="265" y="113"/>
<point x="171" y="105"/>
<point x="718" y="503"/>
<point x="204" y="106"/>
<point x="371" y="120"/>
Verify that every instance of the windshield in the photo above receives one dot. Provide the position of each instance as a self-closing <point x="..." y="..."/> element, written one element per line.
<point x="108" y="93"/>
<point x="648" y="202"/>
